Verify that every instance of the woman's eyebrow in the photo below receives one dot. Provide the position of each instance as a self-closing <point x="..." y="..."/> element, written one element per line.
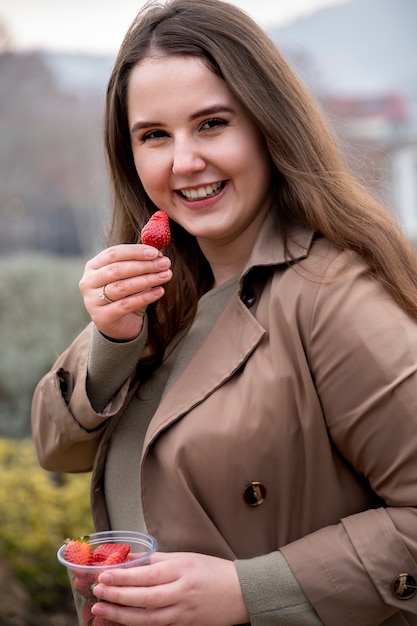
<point x="211" y="110"/>
<point x="141" y="125"/>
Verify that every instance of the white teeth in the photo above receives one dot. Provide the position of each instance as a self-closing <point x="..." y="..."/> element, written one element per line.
<point x="201" y="192"/>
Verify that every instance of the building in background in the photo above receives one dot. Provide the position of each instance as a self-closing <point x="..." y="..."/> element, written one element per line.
<point x="379" y="134"/>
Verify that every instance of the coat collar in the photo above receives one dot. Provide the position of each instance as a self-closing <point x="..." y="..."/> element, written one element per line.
<point x="237" y="332"/>
<point x="269" y="246"/>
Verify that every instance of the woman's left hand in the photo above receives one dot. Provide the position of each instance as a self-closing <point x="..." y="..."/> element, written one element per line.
<point x="175" y="589"/>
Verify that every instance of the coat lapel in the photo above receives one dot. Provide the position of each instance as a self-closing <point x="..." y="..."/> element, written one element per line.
<point x="238" y="333"/>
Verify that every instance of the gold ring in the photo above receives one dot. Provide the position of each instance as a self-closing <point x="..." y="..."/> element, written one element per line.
<point x="104" y="296"/>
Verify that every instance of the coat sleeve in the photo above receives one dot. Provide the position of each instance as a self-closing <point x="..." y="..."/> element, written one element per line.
<point x="66" y="425"/>
<point x="362" y="351"/>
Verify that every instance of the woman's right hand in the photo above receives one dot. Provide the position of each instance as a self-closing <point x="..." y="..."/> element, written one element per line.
<point x="133" y="275"/>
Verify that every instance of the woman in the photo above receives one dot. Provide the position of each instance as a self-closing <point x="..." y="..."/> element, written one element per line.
<point x="249" y="397"/>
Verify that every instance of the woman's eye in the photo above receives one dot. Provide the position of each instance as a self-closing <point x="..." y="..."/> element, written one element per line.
<point x="213" y="123"/>
<point x="154" y="134"/>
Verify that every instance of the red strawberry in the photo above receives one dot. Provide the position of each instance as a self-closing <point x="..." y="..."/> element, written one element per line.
<point x="83" y="584"/>
<point x="86" y="615"/>
<point x="104" y="550"/>
<point x="156" y="231"/>
<point x="78" y="551"/>
<point x="101" y="621"/>
<point x="115" y="558"/>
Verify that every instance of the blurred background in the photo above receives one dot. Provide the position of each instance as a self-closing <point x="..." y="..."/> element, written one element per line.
<point x="359" y="57"/>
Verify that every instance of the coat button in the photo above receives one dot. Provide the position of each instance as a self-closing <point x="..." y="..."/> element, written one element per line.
<point x="254" y="494"/>
<point x="248" y="297"/>
<point x="404" y="586"/>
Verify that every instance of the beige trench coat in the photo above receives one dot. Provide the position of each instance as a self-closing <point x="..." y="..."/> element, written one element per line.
<point x="294" y="427"/>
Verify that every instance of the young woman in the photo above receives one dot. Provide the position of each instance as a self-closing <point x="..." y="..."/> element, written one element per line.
<point x="250" y="396"/>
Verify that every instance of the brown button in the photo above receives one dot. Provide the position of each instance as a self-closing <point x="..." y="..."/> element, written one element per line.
<point x="254" y="494"/>
<point x="404" y="586"/>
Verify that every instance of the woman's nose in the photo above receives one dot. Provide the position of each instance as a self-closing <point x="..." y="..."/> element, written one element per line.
<point x="186" y="158"/>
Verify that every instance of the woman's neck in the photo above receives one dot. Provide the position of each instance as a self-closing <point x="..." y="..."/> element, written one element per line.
<point x="227" y="258"/>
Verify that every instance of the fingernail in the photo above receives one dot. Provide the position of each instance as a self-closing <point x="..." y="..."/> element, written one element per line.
<point x="98" y="608"/>
<point x="161" y="262"/>
<point x="98" y="590"/>
<point x="106" y="578"/>
<point x="163" y="275"/>
<point x="150" y="253"/>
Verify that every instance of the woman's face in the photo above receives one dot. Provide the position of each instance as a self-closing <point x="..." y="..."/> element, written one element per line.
<point x="197" y="151"/>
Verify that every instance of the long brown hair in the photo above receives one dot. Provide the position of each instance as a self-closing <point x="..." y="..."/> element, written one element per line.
<point x="311" y="184"/>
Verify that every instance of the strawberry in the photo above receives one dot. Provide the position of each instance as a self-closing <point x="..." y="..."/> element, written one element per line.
<point x="101" y="621"/>
<point x="78" y="551"/>
<point x="156" y="231"/>
<point x="83" y="584"/>
<point x="86" y="614"/>
<point x="115" y="558"/>
<point x="104" y="550"/>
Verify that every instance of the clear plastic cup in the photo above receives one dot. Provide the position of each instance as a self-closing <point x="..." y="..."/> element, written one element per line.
<point x="83" y="578"/>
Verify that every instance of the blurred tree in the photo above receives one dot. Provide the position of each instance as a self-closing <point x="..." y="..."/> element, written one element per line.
<point x="41" y="312"/>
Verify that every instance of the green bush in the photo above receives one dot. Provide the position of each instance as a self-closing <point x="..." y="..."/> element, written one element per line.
<point x="41" y="312"/>
<point x="38" y="511"/>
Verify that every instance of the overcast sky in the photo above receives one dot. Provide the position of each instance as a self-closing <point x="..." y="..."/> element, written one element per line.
<point x="98" y="26"/>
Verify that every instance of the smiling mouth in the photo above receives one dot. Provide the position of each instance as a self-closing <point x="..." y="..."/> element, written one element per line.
<point x="200" y="193"/>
